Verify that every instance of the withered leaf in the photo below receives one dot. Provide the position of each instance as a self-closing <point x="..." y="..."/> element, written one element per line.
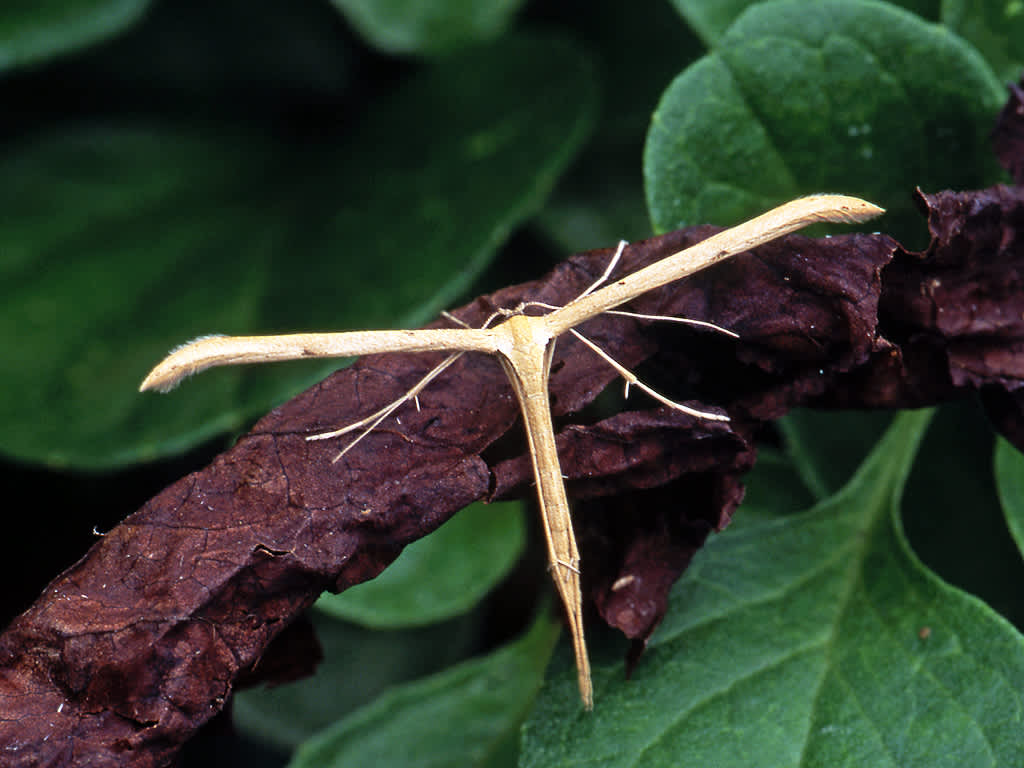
<point x="129" y="651"/>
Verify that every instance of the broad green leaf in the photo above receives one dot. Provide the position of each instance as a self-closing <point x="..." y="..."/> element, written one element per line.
<point x="1009" y="470"/>
<point x="31" y="32"/>
<point x="441" y="575"/>
<point x="855" y="96"/>
<point x="994" y="27"/>
<point x="358" y="665"/>
<point x="466" y="716"/>
<point x="810" y="640"/>
<point x="427" y="26"/>
<point x="118" y="244"/>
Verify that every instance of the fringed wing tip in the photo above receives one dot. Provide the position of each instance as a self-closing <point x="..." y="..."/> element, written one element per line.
<point x="173" y="369"/>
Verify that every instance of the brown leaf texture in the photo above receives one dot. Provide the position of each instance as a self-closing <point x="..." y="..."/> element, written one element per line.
<point x="133" y="648"/>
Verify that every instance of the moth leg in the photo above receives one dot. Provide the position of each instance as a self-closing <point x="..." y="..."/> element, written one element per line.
<point x="374" y="419"/>
<point x="672" y="319"/>
<point x="632" y="380"/>
<point x="607" y="272"/>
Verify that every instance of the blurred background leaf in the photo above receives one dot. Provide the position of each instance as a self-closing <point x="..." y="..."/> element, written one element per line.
<point x="36" y="31"/>
<point x="1009" y="466"/>
<point x="440" y="576"/>
<point x="600" y="200"/>
<point x="994" y="27"/>
<point x="427" y="26"/>
<point x="487" y="697"/>
<point x="152" y="237"/>
<point x="358" y="665"/>
<point x="827" y="447"/>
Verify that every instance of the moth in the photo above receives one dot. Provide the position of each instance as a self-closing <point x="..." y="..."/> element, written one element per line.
<point x="524" y="344"/>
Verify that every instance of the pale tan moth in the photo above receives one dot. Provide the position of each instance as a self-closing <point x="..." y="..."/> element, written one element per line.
<point x="524" y="344"/>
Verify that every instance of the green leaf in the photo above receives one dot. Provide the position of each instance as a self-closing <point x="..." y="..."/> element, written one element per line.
<point x="994" y="27"/>
<point x="358" y="665"/>
<point x="814" y="640"/>
<point x="116" y="245"/>
<point x="1009" y="470"/>
<point x="31" y="32"/>
<point x="441" y="575"/>
<point x="466" y="716"/>
<point x="850" y="96"/>
<point x="427" y="26"/>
